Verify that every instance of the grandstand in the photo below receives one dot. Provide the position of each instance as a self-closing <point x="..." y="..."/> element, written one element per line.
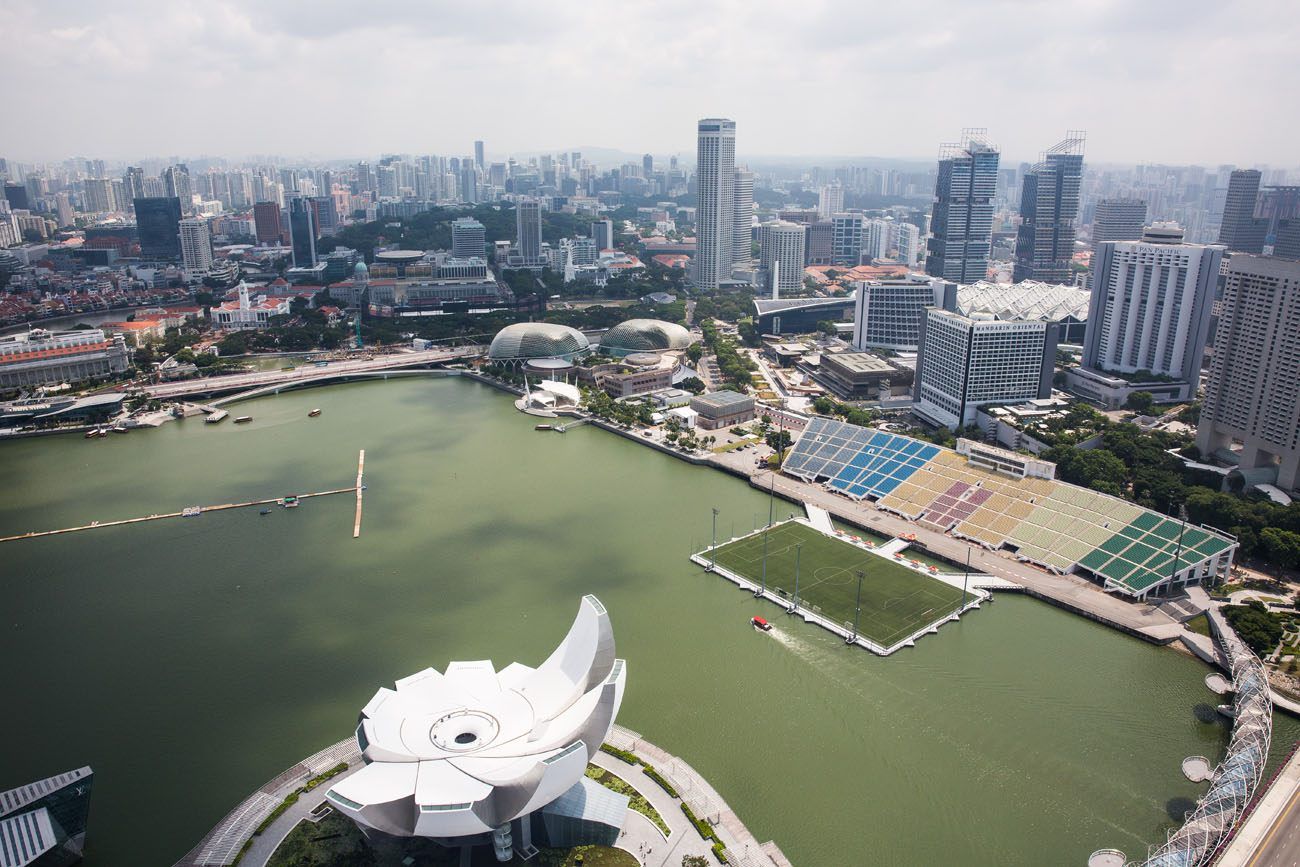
<point x="1061" y="527"/>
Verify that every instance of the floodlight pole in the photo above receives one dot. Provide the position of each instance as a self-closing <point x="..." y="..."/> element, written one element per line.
<point x="713" y="559"/>
<point x="1173" y="569"/>
<point x="798" y="549"/>
<point x="766" y="531"/>
<point x="965" y="578"/>
<point x="857" y="616"/>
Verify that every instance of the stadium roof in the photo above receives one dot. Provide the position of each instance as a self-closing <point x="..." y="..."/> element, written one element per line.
<point x="1028" y="299"/>
<point x="468" y="750"/>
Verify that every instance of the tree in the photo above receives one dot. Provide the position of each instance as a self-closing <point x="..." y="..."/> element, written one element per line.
<point x="1140" y="402"/>
<point x="779" y="440"/>
<point x="827" y="327"/>
<point x="694" y="861"/>
<point x="1281" y="547"/>
<point x="1260" y="628"/>
<point x="693" y="384"/>
<point x="695" y="352"/>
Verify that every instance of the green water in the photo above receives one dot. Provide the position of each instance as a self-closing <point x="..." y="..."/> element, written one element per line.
<point x="191" y="660"/>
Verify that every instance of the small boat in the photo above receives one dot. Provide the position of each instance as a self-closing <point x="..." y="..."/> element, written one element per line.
<point x="191" y="511"/>
<point x="541" y="427"/>
<point x="264" y="512"/>
<point x="290" y="502"/>
<point x="96" y="433"/>
<point x="760" y="623"/>
<point x="315" y="412"/>
<point x="243" y="419"/>
<point x="119" y="429"/>
<point x="218" y="416"/>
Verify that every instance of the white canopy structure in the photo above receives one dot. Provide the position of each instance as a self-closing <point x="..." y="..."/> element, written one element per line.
<point x="465" y="752"/>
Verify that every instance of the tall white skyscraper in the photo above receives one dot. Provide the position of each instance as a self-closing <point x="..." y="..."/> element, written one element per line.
<point x="1149" y="315"/>
<point x="715" y="176"/>
<point x="196" y="246"/>
<point x="830" y="200"/>
<point x="907" y="240"/>
<point x="781" y="246"/>
<point x="468" y="238"/>
<point x="742" y="249"/>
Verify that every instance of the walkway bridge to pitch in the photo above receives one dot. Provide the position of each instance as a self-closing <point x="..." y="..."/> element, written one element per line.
<point x="1234" y="781"/>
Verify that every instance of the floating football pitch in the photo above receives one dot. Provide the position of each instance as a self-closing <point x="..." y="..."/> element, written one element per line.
<point x="896" y="601"/>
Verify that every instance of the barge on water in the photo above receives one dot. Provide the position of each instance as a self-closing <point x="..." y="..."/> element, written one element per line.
<point x="218" y="416"/>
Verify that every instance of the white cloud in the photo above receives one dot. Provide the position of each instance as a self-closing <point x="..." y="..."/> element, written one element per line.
<point x="1156" y="80"/>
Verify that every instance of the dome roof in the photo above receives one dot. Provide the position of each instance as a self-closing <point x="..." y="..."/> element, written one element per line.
<point x="525" y="340"/>
<point x="361" y="269"/>
<point x="645" y="335"/>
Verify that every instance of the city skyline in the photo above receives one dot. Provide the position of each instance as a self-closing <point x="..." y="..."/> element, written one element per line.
<point x="237" y="48"/>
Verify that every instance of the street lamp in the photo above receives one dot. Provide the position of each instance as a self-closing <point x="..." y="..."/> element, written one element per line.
<point x="798" y="548"/>
<point x="713" y="559"/>
<point x="857" y="616"/>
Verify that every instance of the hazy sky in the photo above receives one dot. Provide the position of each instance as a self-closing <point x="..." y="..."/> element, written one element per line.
<point x="1208" y="81"/>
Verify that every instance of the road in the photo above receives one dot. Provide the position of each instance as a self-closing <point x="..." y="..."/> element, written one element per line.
<point x="308" y="372"/>
<point x="1270" y="837"/>
<point x="1281" y="845"/>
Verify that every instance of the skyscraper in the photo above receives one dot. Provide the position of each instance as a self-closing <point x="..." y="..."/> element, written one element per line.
<point x="266" y="223"/>
<point x="602" y="233"/>
<point x="648" y="166"/>
<point x="1149" y="313"/>
<point x="478" y="154"/>
<point x="962" y="220"/>
<point x="1252" y="395"/>
<point x="1049" y="204"/>
<point x="176" y="181"/>
<point x="157" y="221"/>
<point x="846" y="242"/>
<point x="742" y="218"/>
<point x="1118" y="220"/>
<point x="302" y="232"/>
<point x="830" y="200"/>
<point x="967" y="362"/>
<point x="528" y="231"/>
<point x="781" y="248"/>
<point x="196" y="245"/>
<point x="99" y="196"/>
<point x="468" y="238"/>
<point x="715" y="172"/>
<point x="133" y="180"/>
<point x="1240" y="232"/>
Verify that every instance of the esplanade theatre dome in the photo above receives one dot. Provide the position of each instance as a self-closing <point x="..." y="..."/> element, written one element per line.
<point x="644" y="335"/>
<point x="525" y="340"/>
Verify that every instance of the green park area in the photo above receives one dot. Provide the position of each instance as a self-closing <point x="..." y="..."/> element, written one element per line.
<point x="896" y="600"/>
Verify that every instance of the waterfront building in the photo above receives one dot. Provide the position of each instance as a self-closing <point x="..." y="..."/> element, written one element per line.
<point x="1148" y="318"/>
<point x="889" y="314"/>
<point x="40" y="357"/>
<point x="644" y="335"/>
<point x="742" y="250"/>
<point x="516" y="344"/>
<point x="966" y="362"/>
<point x="637" y="373"/>
<point x="158" y="223"/>
<point x="468" y="237"/>
<point x="720" y="409"/>
<point x="1049" y="205"/>
<point x="1118" y="220"/>
<point x="43" y="824"/>
<point x="781" y="253"/>
<point x="249" y="311"/>
<point x="196" y="246"/>
<point x="962" y="218"/>
<point x="479" y="756"/>
<point x="1240" y="231"/>
<point x="1252" y="394"/>
<point x="715" y="177"/>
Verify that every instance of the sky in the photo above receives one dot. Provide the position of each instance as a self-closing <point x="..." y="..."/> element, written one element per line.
<point x="1172" y="81"/>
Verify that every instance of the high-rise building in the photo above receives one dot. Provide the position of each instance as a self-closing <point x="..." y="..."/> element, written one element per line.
<point x="817" y="246"/>
<point x="648" y="166"/>
<point x="176" y="181"/>
<point x="889" y="314"/>
<point x="966" y="362"/>
<point x="1288" y="239"/>
<point x="830" y="200"/>
<point x="781" y="251"/>
<point x="157" y="221"/>
<point x="1049" y="205"/>
<point x="876" y="235"/>
<point x="1252" y="395"/>
<point x="325" y="217"/>
<point x="266" y="223"/>
<point x="133" y="180"/>
<point x="1240" y="231"/>
<point x="962" y="219"/>
<point x="602" y="233"/>
<point x="1148" y="318"/>
<point x="742" y="218"/>
<point x="196" y="246"/>
<point x="847" y="234"/>
<point x="99" y="196"/>
<point x="16" y="196"/>
<point x="528" y="231"/>
<point x="715" y="175"/>
<point x="468" y="182"/>
<point x="907" y="241"/>
<point x="468" y="238"/>
<point x="478" y="154"/>
<point x="302" y="232"/>
<point x="1118" y="220"/>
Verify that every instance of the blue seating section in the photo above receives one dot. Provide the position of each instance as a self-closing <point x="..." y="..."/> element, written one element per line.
<point x="858" y="461"/>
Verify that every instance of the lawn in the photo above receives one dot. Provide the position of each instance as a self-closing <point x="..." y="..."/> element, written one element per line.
<point x="896" y="600"/>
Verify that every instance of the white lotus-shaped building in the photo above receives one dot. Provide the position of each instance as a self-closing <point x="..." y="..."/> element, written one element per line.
<point x="466" y="752"/>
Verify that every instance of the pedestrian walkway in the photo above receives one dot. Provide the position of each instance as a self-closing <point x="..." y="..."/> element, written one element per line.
<point x="819" y="518"/>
